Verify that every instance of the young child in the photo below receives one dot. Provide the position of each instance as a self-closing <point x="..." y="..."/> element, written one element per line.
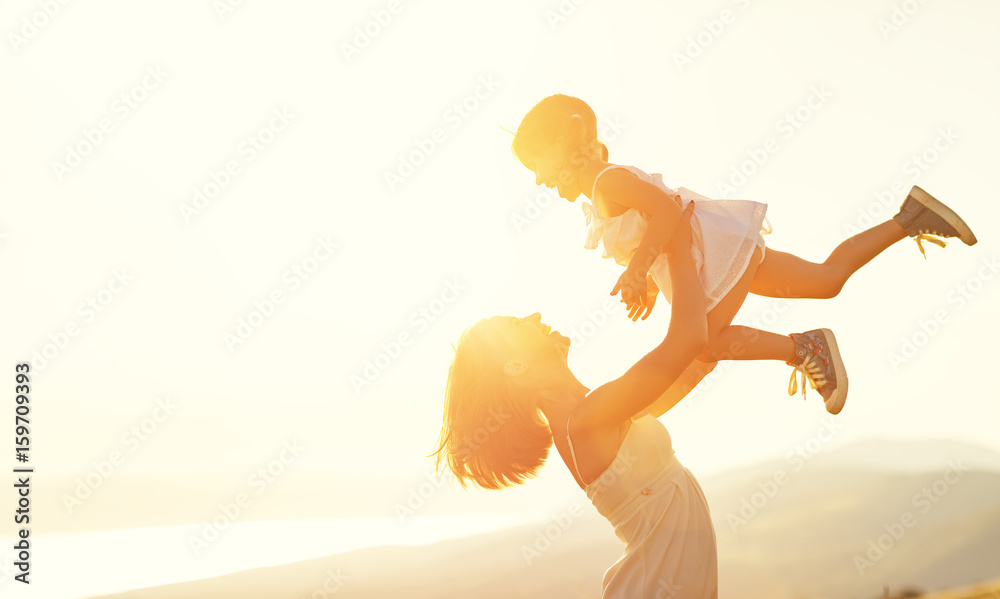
<point x="634" y="213"/>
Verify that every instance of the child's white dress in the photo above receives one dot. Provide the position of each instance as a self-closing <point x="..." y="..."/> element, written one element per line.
<point x="724" y="234"/>
<point x="659" y="511"/>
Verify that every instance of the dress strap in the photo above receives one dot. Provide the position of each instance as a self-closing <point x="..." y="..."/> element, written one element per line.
<point x="593" y="192"/>
<point x="572" y="453"/>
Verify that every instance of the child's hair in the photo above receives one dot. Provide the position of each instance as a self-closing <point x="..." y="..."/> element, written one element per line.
<point x="493" y="433"/>
<point x="550" y="118"/>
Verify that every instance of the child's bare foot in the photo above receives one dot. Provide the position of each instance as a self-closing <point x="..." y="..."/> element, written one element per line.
<point x="923" y="217"/>
<point x="818" y="360"/>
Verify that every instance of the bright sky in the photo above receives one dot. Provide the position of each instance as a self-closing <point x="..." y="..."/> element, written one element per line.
<point x="289" y="120"/>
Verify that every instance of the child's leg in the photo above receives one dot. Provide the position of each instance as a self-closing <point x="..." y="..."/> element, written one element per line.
<point x="727" y="342"/>
<point x="744" y="343"/>
<point x="813" y="353"/>
<point x="786" y="275"/>
<point x="921" y="217"/>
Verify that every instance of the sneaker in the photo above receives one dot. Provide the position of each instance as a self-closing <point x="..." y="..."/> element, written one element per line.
<point x="923" y="217"/>
<point x="818" y="360"/>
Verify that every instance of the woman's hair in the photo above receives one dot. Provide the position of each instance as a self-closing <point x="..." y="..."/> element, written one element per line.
<point x="547" y="120"/>
<point x="493" y="434"/>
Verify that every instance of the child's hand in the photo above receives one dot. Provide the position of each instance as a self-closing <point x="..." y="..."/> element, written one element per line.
<point x="636" y="310"/>
<point x="633" y="287"/>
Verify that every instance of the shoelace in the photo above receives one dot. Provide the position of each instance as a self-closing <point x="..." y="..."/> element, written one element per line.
<point x="811" y="371"/>
<point x="922" y="237"/>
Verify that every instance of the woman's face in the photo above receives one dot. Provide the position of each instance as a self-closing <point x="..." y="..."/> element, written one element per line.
<point x="532" y="340"/>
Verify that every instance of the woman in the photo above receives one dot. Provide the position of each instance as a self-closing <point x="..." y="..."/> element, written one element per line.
<point x="510" y="396"/>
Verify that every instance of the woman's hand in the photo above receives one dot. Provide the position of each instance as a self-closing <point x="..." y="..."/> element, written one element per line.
<point x="680" y="239"/>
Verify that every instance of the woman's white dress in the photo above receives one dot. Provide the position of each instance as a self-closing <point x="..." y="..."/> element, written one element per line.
<point x="659" y="511"/>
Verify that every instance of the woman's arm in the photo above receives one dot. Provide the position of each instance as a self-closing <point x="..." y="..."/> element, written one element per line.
<point x="613" y="403"/>
<point x="685" y="384"/>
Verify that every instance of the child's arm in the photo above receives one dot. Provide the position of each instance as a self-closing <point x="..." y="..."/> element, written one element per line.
<point x="619" y="186"/>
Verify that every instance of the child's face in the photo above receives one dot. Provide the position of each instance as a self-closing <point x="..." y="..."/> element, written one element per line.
<point x="558" y="174"/>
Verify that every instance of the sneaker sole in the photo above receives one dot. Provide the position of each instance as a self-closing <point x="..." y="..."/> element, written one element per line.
<point x="836" y="402"/>
<point x="964" y="232"/>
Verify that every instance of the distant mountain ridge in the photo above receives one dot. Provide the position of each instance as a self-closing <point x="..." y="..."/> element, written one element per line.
<point x="874" y="512"/>
<point x="823" y="528"/>
<point x="879" y="455"/>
